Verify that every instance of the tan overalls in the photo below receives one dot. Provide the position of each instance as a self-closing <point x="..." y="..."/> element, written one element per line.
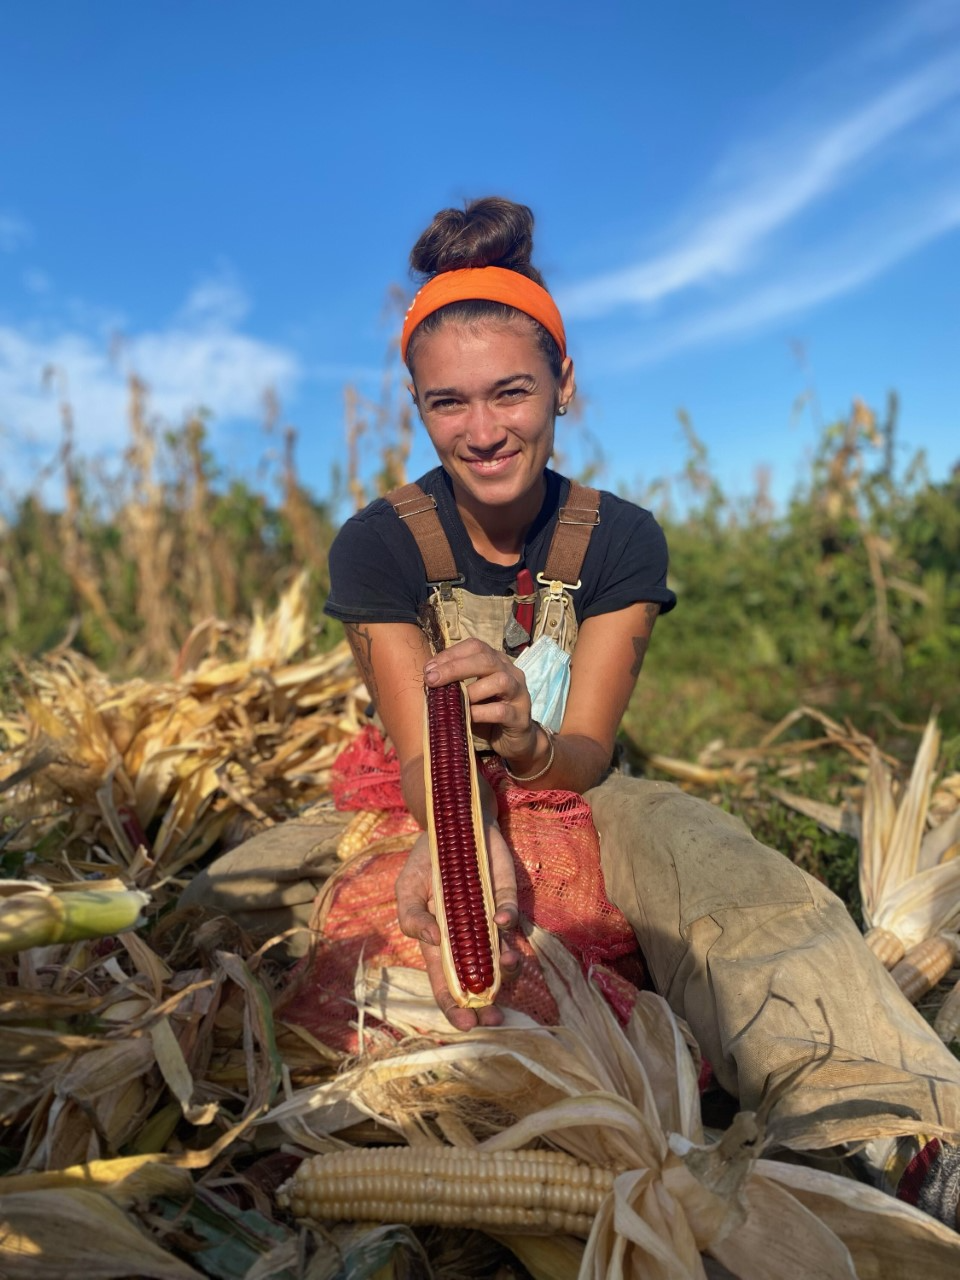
<point x="763" y="962"/>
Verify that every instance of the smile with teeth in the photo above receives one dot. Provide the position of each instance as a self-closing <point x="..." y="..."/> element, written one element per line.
<point x="490" y="464"/>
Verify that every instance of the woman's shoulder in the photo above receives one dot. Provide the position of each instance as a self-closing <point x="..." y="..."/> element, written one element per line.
<point x="614" y="508"/>
<point x="376" y="574"/>
<point x="625" y="560"/>
<point x="379" y="515"/>
<point x="625" y="509"/>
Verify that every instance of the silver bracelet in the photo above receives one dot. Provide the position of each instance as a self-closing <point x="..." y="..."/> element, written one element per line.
<point x="532" y="777"/>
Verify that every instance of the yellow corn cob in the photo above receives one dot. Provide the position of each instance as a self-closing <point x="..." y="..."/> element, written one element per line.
<point x="925" y="965"/>
<point x="886" y="946"/>
<point x="39" y="917"/>
<point x="356" y="834"/>
<point x="532" y="1191"/>
<point x="462" y="889"/>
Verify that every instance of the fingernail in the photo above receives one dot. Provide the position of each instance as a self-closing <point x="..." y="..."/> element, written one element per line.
<point x="430" y="673"/>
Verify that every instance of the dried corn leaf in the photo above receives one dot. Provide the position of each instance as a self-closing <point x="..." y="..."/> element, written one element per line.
<point x="125" y="1180"/>
<point x="909" y="881"/>
<point x="153" y="967"/>
<point x="547" y="1257"/>
<point x="24" y="1049"/>
<point x="46" y="1235"/>
<point x="174" y="1069"/>
<point x="107" y="1067"/>
<point x="923" y="905"/>
<point x="886" y="1237"/>
<point x="264" y="1065"/>
<point x="903" y="848"/>
<point x="688" y="772"/>
<point x="832" y="817"/>
<point x="941" y="843"/>
<point x="115" y="759"/>
<point x="947" y="1021"/>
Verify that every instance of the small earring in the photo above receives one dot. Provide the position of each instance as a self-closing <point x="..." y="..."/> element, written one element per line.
<point x="561" y="409"/>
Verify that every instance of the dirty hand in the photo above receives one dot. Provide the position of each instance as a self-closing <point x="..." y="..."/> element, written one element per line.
<point x="499" y="701"/>
<point x="415" y="912"/>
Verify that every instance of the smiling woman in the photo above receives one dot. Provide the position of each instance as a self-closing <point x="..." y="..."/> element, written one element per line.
<point x="797" y="1017"/>
<point x="761" y="960"/>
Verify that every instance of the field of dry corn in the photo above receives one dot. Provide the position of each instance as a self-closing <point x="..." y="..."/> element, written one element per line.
<point x="168" y="687"/>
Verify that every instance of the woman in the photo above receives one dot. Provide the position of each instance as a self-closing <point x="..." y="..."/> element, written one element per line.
<point x="761" y="960"/>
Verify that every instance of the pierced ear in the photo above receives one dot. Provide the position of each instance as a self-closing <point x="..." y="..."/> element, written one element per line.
<point x="567" y="387"/>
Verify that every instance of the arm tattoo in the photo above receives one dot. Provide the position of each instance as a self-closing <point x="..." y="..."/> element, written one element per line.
<point x="361" y="645"/>
<point x="640" y="643"/>
<point x="640" y="652"/>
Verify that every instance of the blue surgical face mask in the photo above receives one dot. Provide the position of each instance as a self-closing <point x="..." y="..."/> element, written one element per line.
<point x="547" y="671"/>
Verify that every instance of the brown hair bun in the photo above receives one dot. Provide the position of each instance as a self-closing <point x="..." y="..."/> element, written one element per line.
<point x="490" y="232"/>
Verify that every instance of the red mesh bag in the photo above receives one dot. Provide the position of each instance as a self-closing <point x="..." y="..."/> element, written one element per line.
<point x="559" y="887"/>
<point x="366" y="773"/>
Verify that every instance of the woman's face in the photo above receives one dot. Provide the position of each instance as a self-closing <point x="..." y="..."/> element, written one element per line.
<point x="488" y="398"/>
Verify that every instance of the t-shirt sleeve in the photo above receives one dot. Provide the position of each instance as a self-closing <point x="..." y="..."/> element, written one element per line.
<point x="373" y="578"/>
<point x="629" y="564"/>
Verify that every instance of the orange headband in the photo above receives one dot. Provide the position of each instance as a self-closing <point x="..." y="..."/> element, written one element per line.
<point x="492" y="284"/>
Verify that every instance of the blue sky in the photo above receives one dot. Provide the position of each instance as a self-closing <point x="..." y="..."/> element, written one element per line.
<point x="734" y="202"/>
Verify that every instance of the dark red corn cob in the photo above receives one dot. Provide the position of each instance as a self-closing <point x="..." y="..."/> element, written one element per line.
<point x="463" y="896"/>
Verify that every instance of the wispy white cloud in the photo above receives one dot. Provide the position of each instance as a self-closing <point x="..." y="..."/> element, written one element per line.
<point x="847" y="267"/>
<point x="217" y="301"/>
<point x="919" y="20"/>
<point x="14" y="232"/>
<point x="342" y="373"/>
<point x="201" y="360"/>
<point x="792" y="176"/>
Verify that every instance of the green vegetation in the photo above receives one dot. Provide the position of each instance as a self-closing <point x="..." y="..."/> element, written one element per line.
<point x="848" y="601"/>
<point x="133" y="562"/>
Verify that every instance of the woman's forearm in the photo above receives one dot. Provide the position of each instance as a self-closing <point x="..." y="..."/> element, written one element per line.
<point x="415" y="790"/>
<point x="562" y="762"/>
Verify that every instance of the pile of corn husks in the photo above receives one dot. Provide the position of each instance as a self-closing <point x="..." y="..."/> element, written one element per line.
<point x="148" y="776"/>
<point x="152" y="1104"/>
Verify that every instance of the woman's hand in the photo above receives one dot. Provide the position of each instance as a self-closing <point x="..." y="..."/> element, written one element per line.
<point x="415" y="912"/>
<point x="499" y="701"/>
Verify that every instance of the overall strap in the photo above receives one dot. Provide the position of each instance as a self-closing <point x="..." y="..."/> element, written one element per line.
<point x="576" y="521"/>
<point x="419" y="511"/>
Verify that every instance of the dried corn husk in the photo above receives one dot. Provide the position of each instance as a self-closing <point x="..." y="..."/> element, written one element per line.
<point x="947" y="1022"/>
<point x="190" y="1035"/>
<point x="626" y="1097"/>
<point x="253" y="737"/>
<point x="73" y="1231"/>
<point x="909" y="880"/>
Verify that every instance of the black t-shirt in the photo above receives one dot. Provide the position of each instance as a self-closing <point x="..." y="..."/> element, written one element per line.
<point x="377" y="574"/>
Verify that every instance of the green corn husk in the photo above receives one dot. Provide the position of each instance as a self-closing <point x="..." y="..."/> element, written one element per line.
<point x="38" y="916"/>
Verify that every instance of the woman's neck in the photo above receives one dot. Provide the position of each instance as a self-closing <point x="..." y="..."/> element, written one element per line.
<point x="498" y="533"/>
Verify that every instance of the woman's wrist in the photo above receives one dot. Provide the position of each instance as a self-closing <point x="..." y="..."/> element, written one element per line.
<point x="540" y="762"/>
